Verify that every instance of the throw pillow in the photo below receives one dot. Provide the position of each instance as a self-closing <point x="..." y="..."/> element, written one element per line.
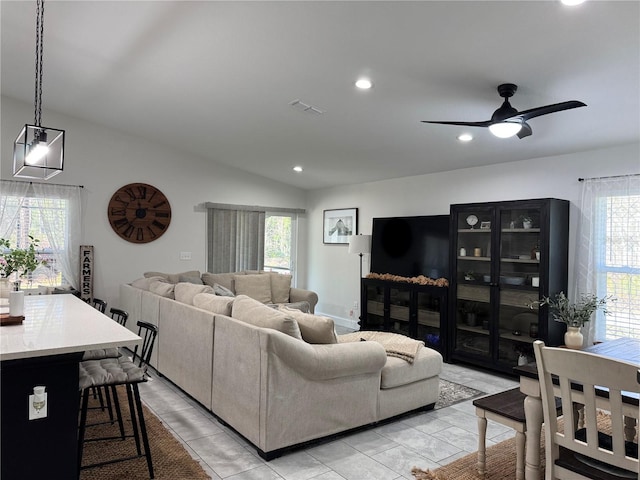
<point x="213" y="303"/>
<point x="184" y="292"/>
<point x="188" y="279"/>
<point x="313" y="328"/>
<point x="223" y="292"/>
<point x="164" y="289"/>
<point x="257" y="287"/>
<point x="251" y="311"/>
<point x="145" y="282"/>
<point x="280" y="286"/>
<point x="224" y="279"/>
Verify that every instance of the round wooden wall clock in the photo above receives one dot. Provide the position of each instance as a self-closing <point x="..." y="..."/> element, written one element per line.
<point x="139" y="213"/>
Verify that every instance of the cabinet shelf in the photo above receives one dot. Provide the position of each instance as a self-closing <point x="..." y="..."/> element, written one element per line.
<point x="475" y="259"/>
<point x="520" y="230"/>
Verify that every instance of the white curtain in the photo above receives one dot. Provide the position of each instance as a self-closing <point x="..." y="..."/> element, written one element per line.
<point x="235" y="240"/>
<point x="607" y="254"/>
<point x="61" y="227"/>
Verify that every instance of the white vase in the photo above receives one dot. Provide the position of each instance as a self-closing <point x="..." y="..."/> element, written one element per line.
<point x="573" y="338"/>
<point x="16" y="303"/>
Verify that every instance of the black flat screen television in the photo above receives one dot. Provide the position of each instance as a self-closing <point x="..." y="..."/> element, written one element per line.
<point x="411" y="246"/>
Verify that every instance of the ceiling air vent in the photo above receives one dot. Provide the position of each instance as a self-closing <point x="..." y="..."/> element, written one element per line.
<point x="303" y="107"/>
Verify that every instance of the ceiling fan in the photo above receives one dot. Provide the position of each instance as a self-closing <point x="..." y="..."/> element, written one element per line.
<point x="506" y="121"/>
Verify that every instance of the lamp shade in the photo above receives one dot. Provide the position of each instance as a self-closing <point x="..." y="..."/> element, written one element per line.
<point x="360" y="244"/>
<point x="505" y="129"/>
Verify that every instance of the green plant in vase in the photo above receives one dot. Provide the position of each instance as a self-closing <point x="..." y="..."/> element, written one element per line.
<point x="19" y="261"/>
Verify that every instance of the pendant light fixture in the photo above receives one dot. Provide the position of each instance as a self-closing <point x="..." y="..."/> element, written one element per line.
<point x="38" y="151"/>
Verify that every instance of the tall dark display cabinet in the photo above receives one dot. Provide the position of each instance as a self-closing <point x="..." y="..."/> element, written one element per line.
<point x="504" y="256"/>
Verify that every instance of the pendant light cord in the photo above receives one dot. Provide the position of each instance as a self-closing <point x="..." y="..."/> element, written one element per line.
<point x="39" y="53"/>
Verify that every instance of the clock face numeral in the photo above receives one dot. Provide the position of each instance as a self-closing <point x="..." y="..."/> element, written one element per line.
<point x="133" y="214"/>
<point x="159" y="225"/>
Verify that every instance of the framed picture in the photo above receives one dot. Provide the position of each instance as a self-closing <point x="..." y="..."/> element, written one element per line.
<point x="339" y="225"/>
<point x="485" y="225"/>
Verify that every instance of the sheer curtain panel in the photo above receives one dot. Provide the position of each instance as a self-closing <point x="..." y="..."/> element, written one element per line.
<point x="607" y="261"/>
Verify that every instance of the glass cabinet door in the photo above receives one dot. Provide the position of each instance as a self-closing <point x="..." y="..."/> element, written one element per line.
<point x="399" y="303"/>
<point x="375" y="307"/>
<point x="428" y="320"/>
<point x="474" y="278"/>
<point x="519" y="281"/>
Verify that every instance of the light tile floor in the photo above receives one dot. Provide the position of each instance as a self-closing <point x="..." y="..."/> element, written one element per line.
<point x="386" y="452"/>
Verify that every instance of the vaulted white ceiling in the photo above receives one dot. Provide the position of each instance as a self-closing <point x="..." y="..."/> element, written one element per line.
<point x="215" y="79"/>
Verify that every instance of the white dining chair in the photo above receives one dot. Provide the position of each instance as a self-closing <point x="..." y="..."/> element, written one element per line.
<point x="597" y="383"/>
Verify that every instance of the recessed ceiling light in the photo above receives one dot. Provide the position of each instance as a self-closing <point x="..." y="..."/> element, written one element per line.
<point x="572" y="3"/>
<point x="297" y="168"/>
<point x="465" y="137"/>
<point x="364" y="84"/>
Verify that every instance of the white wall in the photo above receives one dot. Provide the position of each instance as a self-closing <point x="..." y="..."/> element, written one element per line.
<point x="333" y="273"/>
<point x="104" y="160"/>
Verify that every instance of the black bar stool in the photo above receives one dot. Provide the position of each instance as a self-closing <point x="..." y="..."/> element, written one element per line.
<point x="111" y="372"/>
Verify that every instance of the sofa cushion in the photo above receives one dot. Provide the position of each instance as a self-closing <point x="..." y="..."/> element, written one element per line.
<point x="251" y="311"/>
<point x="213" y="303"/>
<point x="173" y="277"/>
<point x="398" y="372"/>
<point x="257" y="286"/>
<point x="280" y="286"/>
<point x="313" y="328"/>
<point x="184" y="292"/>
<point x="164" y="289"/>
<point x="224" y="279"/>
<point x="144" y="283"/>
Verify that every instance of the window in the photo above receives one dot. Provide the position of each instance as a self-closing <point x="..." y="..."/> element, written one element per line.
<point x="618" y="261"/>
<point x="50" y="213"/>
<point x="280" y="243"/>
<point x="608" y="254"/>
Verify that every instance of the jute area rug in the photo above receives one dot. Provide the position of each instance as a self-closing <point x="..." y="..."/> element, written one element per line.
<point x="170" y="460"/>
<point x="501" y="461"/>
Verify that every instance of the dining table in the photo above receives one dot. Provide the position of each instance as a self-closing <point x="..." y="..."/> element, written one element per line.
<point x="625" y="349"/>
<point x="45" y="350"/>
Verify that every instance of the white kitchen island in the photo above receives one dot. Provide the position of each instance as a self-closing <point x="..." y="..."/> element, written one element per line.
<point x="45" y="351"/>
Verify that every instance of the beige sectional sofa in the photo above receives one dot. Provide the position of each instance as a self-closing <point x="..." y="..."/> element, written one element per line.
<point x="277" y="376"/>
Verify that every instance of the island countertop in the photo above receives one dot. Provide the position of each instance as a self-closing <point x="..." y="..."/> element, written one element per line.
<point x="58" y="324"/>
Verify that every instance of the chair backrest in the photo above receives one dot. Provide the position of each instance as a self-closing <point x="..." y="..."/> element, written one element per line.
<point x="100" y="305"/>
<point x="594" y="384"/>
<point x="119" y="316"/>
<point x="148" y="333"/>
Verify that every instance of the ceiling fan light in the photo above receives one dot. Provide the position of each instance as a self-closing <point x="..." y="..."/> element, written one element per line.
<point x="505" y="129"/>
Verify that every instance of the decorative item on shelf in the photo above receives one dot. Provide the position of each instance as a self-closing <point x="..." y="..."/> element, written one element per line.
<point x="535" y="252"/>
<point x="38" y="152"/>
<point x="463" y="252"/>
<point x="527" y="223"/>
<point x="533" y="329"/>
<point x="472" y="220"/>
<point x="18" y="262"/>
<point x="469" y="311"/>
<point x="574" y="315"/>
<point x="469" y="276"/>
<point x="485" y="225"/>
<point x="477" y="252"/>
<point x="535" y="282"/>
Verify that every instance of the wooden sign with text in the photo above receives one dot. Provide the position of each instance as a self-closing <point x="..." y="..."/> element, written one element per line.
<point x="86" y="272"/>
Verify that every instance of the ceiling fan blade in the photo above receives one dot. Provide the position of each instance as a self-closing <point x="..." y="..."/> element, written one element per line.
<point x="464" y="124"/>
<point x="556" y="107"/>
<point x="525" y="131"/>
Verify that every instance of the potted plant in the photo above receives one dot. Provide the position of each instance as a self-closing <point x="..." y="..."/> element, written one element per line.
<point x="21" y="261"/>
<point x="574" y="315"/>
<point x="469" y="311"/>
<point x="527" y="223"/>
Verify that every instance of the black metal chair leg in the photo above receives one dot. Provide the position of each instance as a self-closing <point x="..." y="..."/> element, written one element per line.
<point x="116" y="404"/>
<point x="134" y="423"/>
<point x="143" y="429"/>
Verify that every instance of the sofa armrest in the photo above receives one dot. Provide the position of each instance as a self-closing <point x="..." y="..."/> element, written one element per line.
<point x="300" y="295"/>
<point x="324" y="362"/>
